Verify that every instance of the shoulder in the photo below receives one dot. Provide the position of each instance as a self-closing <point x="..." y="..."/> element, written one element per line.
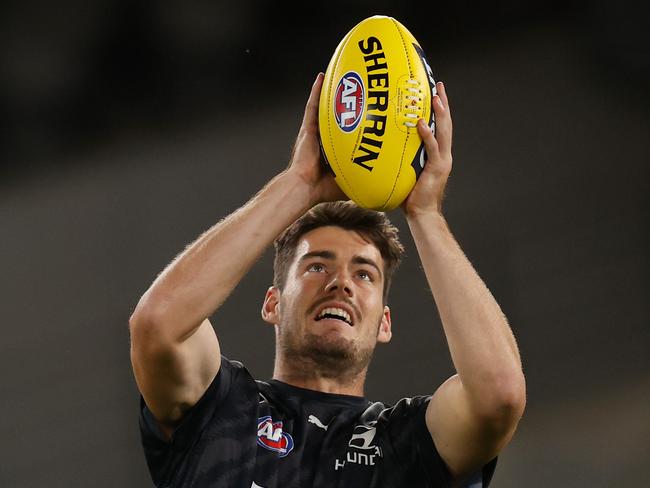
<point x="401" y="425"/>
<point x="404" y="409"/>
<point x="232" y="386"/>
<point x="219" y="428"/>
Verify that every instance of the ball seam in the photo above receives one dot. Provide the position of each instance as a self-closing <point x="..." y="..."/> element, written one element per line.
<point x="408" y="135"/>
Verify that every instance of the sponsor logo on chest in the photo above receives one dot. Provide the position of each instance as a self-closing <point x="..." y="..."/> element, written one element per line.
<point x="362" y="449"/>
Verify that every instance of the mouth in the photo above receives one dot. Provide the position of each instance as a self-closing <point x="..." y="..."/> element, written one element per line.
<point x="335" y="313"/>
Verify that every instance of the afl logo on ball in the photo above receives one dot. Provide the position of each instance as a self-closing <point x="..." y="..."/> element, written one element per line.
<point x="348" y="101"/>
<point x="270" y="436"/>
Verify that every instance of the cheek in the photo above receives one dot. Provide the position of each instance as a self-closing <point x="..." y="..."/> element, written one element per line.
<point x="374" y="317"/>
<point x="286" y="304"/>
<point x="290" y="286"/>
<point x="372" y="299"/>
<point x="291" y="302"/>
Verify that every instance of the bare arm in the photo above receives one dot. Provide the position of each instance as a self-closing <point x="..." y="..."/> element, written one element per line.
<point x="174" y="349"/>
<point x="473" y="415"/>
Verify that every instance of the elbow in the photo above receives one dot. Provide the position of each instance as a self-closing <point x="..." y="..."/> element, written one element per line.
<point x="156" y="324"/>
<point x="501" y="401"/>
<point x="513" y="398"/>
<point x="146" y="324"/>
<point x="141" y="318"/>
<point x="506" y="401"/>
<point x="153" y="310"/>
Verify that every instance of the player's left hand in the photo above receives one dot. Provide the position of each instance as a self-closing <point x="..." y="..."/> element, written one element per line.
<point x="428" y="192"/>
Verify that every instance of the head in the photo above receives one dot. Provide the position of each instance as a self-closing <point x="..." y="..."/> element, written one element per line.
<point x="332" y="273"/>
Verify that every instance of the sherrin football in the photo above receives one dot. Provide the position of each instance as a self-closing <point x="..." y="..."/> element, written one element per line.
<point x="376" y="87"/>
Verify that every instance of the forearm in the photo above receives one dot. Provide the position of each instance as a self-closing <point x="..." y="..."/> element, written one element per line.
<point x="482" y="346"/>
<point x="197" y="282"/>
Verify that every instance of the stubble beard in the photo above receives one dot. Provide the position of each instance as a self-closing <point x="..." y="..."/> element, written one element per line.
<point x="326" y="356"/>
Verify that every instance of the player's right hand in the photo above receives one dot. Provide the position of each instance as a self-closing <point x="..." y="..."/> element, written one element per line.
<point x="306" y="157"/>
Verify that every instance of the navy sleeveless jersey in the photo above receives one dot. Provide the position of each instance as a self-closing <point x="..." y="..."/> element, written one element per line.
<point x="245" y="433"/>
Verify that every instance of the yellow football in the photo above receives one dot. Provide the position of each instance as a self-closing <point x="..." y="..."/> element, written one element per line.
<point x="376" y="87"/>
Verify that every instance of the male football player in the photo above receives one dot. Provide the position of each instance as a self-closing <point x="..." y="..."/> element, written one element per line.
<point x="206" y="422"/>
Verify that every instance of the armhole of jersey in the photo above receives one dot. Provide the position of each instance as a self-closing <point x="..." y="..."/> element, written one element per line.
<point x="435" y="467"/>
<point x="196" y="417"/>
<point x="149" y="424"/>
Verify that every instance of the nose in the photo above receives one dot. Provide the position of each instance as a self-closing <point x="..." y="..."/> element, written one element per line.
<point x="340" y="282"/>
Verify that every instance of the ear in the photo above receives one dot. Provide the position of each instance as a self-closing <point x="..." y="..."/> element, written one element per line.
<point x="271" y="306"/>
<point x="385" y="332"/>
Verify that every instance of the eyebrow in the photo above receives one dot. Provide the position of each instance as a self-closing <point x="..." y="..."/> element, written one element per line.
<point x="318" y="254"/>
<point x="330" y="256"/>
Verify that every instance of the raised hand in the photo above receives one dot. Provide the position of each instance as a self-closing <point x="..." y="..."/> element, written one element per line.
<point x="306" y="157"/>
<point x="428" y="193"/>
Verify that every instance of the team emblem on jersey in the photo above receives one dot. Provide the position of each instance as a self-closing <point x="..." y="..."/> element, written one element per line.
<point x="271" y="436"/>
<point x="348" y="101"/>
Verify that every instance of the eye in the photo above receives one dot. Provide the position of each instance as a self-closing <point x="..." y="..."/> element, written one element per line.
<point x="365" y="275"/>
<point x="316" y="268"/>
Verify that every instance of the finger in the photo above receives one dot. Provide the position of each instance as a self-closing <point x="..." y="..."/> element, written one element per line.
<point x="310" y="120"/>
<point x="442" y="92"/>
<point x="443" y="125"/>
<point x="430" y="143"/>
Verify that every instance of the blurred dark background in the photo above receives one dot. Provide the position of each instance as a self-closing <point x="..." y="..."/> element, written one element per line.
<point x="128" y="128"/>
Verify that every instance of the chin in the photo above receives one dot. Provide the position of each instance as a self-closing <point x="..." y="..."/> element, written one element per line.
<point x="331" y="345"/>
<point x="336" y="354"/>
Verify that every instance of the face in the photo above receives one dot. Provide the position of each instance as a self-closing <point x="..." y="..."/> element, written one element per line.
<point x="331" y="310"/>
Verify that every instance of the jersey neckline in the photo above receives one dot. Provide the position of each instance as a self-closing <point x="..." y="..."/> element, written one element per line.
<point x="320" y="396"/>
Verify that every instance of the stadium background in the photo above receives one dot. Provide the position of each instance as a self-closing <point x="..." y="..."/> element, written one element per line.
<point x="128" y="128"/>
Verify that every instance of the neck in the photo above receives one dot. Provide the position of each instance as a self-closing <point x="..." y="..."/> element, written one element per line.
<point x="307" y="374"/>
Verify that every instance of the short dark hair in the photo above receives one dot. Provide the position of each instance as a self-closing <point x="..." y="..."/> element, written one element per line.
<point x="371" y="225"/>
